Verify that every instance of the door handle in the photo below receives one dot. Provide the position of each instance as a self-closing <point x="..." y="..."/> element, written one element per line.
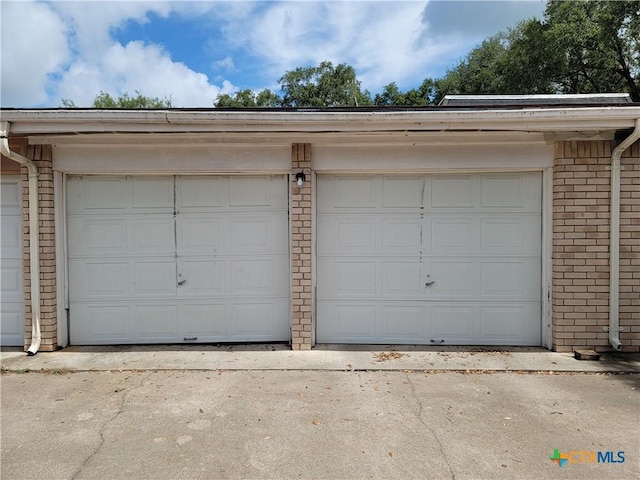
<point x="181" y="282"/>
<point x="428" y="284"/>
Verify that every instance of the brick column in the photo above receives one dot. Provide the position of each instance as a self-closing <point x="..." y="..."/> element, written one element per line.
<point x="581" y="190"/>
<point x="300" y="244"/>
<point x="42" y="157"/>
<point x="581" y="203"/>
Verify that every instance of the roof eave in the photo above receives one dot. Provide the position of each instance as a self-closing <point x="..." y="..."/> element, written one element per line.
<point x="41" y="122"/>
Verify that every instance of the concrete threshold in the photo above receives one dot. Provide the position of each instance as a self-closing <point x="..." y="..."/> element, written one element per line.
<point x="323" y="357"/>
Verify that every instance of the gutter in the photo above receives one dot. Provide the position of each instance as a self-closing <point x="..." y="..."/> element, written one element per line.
<point x="64" y="122"/>
<point x="34" y="234"/>
<point x="614" y="248"/>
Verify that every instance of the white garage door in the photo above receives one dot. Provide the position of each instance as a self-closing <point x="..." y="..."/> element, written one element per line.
<point x="442" y="259"/>
<point x="12" y="293"/>
<point x="178" y="259"/>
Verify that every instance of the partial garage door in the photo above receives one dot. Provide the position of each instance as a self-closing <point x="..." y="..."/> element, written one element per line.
<point x="12" y="293"/>
<point x="441" y="259"/>
<point x="178" y="259"/>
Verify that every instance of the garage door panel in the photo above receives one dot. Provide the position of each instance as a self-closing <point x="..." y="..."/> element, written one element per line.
<point x="204" y="322"/>
<point x="153" y="193"/>
<point x="452" y="192"/>
<point x="224" y="239"/>
<point x="448" y="256"/>
<point x="399" y="192"/>
<point x="510" y="235"/>
<point x="403" y="323"/>
<point x="355" y="192"/>
<point x="401" y="279"/>
<point x="154" y="278"/>
<point x="11" y="237"/>
<point x="402" y="236"/>
<point x="510" y="278"/>
<point x="259" y="321"/>
<point x="260" y="276"/>
<point x="351" y="322"/>
<point x="11" y="315"/>
<point x="98" y="195"/>
<point x="452" y="323"/>
<point x="349" y="235"/>
<point x="258" y="234"/>
<point x="510" y="191"/>
<point x="109" y="324"/>
<point x="515" y="324"/>
<point x="452" y="235"/>
<point x="258" y="193"/>
<point x="155" y="323"/>
<point x="12" y="285"/>
<point x="90" y="236"/>
<point x="108" y="236"/>
<point x="11" y="196"/>
<point x="453" y="278"/>
<point x="249" y="192"/>
<point x="200" y="234"/>
<point x="197" y="193"/>
<point x="343" y="278"/>
<point x="11" y="262"/>
<point x="202" y="278"/>
<point x="152" y="236"/>
<point x="94" y="280"/>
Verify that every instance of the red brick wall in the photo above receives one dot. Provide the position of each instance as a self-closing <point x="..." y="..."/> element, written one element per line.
<point x="581" y="201"/>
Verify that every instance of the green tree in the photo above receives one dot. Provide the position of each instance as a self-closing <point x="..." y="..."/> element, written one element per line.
<point x="579" y="47"/>
<point x="248" y="98"/>
<point x="392" y="96"/>
<point x="593" y="46"/>
<point x="106" y="100"/>
<point x="323" y="86"/>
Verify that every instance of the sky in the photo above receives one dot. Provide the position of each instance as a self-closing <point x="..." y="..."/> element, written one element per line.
<point x="192" y="51"/>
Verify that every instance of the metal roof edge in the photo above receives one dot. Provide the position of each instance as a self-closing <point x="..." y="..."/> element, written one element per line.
<point x="42" y="121"/>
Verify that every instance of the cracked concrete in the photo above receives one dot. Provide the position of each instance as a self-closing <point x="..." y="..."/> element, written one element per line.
<point x="121" y="408"/>
<point x="314" y="424"/>
<point x="428" y="427"/>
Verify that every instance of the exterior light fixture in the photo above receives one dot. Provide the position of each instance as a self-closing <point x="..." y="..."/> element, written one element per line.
<point x="300" y="178"/>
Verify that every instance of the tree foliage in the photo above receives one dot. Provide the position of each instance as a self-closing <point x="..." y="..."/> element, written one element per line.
<point x="106" y="100"/>
<point x="323" y="86"/>
<point x="248" y="98"/>
<point x="579" y="47"/>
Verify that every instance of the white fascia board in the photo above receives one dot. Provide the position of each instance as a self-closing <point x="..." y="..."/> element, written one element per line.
<point x="33" y="122"/>
<point x="190" y="139"/>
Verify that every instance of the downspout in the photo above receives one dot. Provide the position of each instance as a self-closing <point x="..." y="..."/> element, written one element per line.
<point x="614" y="248"/>
<point x="34" y="235"/>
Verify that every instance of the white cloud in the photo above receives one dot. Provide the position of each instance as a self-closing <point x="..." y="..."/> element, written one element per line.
<point x="30" y="55"/>
<point x="145" y="68"/>
<point x="69" y="52"/>
<point x="93" y="21"/>
<point x="381" y="40"/>
<point x="224" y="64"/>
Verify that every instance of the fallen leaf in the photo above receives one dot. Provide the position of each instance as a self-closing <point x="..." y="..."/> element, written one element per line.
<point x="201" y="411"/>
<point x="384" y="356"/>
<point x="390" y="454"/>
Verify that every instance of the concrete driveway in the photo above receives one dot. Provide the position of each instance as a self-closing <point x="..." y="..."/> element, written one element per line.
<point x="317" y="424"/>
